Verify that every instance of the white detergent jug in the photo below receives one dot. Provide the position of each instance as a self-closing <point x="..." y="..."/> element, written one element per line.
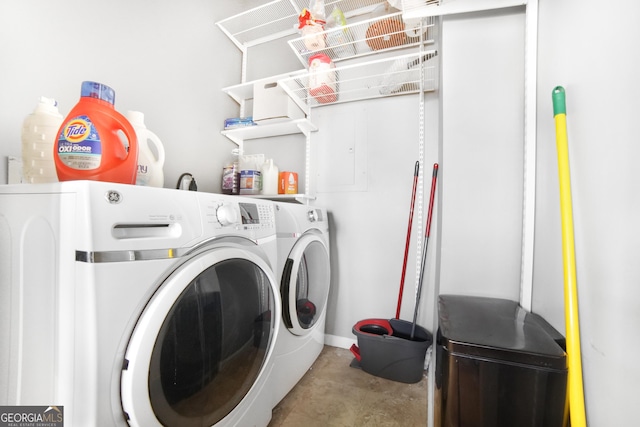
<point x="269" y="178"/>
<point x="150" y="165"/>
<point x="39" y="132"/>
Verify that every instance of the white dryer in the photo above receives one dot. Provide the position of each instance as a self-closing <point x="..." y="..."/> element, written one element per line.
<point x="140" y="306"/>
<point x="304" y="275"/>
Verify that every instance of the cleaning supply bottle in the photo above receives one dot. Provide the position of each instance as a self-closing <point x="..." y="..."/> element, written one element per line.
<point x="250" y="176"/>
<point x="90" y="141"/>
<point x="39" y="131"/>
<point x="270" y="177"/>
<point x="150" y="163"/>
<point x="231" y="175"/>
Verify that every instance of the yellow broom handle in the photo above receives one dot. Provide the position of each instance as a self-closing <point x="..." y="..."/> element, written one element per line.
<point x="575" y="388"/>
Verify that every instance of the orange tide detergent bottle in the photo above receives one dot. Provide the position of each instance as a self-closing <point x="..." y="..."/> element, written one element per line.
<point x="89" y="144"/>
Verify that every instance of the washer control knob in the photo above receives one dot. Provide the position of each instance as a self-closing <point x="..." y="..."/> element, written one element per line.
<point x="226" y="215"/>
<point x="312" y="215"/>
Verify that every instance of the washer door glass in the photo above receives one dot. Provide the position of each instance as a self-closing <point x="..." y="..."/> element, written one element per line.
<point x="201" y="342"/>
<point x="305" y="284"/>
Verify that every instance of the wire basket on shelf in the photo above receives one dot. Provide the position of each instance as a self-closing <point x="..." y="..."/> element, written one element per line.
<point x="279" y="18"/>
<point x="399" y="75"/>
<point x="364" y="38"/>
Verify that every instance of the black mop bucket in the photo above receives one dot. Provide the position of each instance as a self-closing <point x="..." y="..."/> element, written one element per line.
<point x="385" y="349"/>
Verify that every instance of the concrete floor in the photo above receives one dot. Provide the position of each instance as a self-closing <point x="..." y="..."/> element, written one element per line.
<point x="334" y="394"/>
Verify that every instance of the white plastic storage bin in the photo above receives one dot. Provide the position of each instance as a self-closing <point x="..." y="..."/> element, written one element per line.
<point x="272" y="104"/>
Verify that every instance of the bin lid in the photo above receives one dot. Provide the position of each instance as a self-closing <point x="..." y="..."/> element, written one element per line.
<point x="499" y="329"/>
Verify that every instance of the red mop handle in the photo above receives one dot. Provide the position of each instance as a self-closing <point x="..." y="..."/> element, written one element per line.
<point x="433" y="193"/>
<point x="407" y="244"/>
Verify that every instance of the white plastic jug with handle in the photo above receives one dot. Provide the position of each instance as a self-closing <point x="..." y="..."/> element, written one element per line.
<point x="39" y="133"/>
<point x="269" y="178"/>
<point x="150" y="164"/>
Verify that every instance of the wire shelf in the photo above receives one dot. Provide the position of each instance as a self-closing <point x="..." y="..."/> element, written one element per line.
<point x="371" y="36"/>
<point x="411" y="5"/>
<point x="279" y="19"/>
<point x="398" y="75"/>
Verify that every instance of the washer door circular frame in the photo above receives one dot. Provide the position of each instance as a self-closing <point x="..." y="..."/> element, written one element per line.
<point x="134" y="391"/>
<point x="297" y="256"/>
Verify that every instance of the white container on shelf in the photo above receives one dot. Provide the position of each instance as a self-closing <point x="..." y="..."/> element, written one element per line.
<point x="250" y="174"/>
<point x="314" y="38"/>
<point x="322" y="78"/>
<point x="270" y="176"/>
<point x="272" y="104"/>
<point x="39" y="133"/>
<point x="150" y="164"/>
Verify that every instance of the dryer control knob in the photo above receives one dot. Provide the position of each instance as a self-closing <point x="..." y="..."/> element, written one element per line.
<point x="312" y="216"/>
<point x="226" y="215"/>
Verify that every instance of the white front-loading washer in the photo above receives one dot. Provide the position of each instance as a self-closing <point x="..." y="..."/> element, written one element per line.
<point x="304" y="273"/>
<point x="129" y="305"/>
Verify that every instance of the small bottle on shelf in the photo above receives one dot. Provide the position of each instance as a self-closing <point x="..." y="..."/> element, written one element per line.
<point x="269" y="178"/>
<point x="231" y="176"/>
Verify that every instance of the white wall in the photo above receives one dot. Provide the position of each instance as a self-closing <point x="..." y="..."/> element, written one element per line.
<point x="482" y="153"/>
<point x="591" y="50"/>
<point x="370" y="210"/>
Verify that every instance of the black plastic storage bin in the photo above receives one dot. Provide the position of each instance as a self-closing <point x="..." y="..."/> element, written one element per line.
<point x="497" y="365"/>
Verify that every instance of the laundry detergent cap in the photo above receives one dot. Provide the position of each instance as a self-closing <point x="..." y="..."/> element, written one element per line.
<point x="135" y="117"/>
<point x="99" y="91"/>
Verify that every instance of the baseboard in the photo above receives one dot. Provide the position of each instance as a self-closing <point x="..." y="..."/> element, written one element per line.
<point x="340" y="342"/>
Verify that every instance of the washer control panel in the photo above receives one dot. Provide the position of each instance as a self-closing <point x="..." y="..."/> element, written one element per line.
<point x="222" y="211"/>
<point x="226" y="214"/>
